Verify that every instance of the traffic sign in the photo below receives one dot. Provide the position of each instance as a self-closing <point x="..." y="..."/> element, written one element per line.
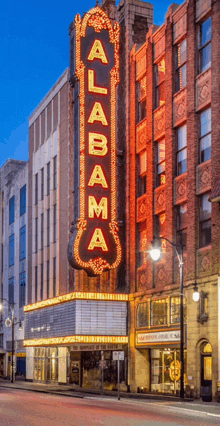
<point x="118" y="355"/>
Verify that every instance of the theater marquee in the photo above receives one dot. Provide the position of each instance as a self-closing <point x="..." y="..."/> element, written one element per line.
<point x="95" y="243"/>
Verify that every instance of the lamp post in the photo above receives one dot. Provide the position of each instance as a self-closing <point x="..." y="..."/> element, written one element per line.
<point x="155" y="254"/>
<point x="11" y="323"/>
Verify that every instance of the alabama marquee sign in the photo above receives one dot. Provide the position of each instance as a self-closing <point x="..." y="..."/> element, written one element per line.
<point x="95" y="245"/>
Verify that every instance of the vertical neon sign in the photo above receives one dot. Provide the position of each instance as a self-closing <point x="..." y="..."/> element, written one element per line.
<point x="95" y="243"/>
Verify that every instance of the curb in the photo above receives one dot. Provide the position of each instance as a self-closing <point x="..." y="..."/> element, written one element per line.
<point x="73" y="393"/>
<point x="43" y="391"/>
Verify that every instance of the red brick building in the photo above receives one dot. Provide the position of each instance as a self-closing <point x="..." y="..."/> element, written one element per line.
<point x="173" y="173"/>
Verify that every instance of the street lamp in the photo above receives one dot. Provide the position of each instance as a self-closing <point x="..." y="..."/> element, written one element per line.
<point x="11" y="323"/>
<point x="196" y="294"/>
<point x="155" y="255"/>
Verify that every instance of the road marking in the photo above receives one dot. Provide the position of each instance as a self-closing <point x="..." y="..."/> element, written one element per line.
<point x="162" y="404"/>
<point x="193" y="411"/>
<point x="212" y="414"/>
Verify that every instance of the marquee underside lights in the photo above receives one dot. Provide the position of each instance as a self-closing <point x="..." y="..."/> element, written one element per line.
<point x="95" y="245"/>
<point x="75" y="339"/>
<point x="76" y="295"/>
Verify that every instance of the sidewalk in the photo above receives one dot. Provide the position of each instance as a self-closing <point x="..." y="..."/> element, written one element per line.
<point x="70" y="391"/>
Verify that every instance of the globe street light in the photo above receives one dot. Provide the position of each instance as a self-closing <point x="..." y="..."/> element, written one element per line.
<point x="155" y="255"/>
<point x="196" y="294"/>
<point x="11" y="323"/>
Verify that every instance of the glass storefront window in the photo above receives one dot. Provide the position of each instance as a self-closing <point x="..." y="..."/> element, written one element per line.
<point x="166" y="370"/>
<point x="46" y="367"/>
<point x="39" y="364"/>
<point x="159" y="312"/>
<point x="52" y="364"/>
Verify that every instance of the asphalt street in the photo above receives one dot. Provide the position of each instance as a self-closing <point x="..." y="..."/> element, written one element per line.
<point x="23" y="408"/>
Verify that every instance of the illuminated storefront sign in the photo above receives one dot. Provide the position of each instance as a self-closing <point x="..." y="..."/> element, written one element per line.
<point x="95" y="243"/>
<point x="158" y="337"/>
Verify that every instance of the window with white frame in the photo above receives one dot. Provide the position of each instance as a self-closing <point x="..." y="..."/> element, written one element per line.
<point x="181" y="228"/>
<point x="160" y="175"/>
<point x="181" y="150"/>
<point x="159" y="70"/>
<point x="180" y="65"/>
<point x="205" y="220"/>
<point x="141" y="95"/>
<point x="205" y="36"/>
<point x="205" y="135"/>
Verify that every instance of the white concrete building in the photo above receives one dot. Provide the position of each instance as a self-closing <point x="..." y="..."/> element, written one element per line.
<point x="13" y="261"/>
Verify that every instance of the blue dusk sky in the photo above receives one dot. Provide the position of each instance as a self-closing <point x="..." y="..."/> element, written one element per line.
<point x="34" y="53"/>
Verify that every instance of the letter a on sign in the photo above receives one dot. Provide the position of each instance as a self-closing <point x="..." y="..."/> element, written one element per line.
<point x="97" y="114"/>
<point x="98" y="240"/>
<point x="97" y="52"/>
<point x="98" y="177"/>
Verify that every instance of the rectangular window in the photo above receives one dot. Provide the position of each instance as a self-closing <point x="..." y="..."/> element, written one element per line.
<point x="175" y="310"/>
<point x="205" y="220"/>
<point x="36" y="189"/>
<point x="142" y="241"/>
<point x="54" y="223"/>
<point x="42" y="281"/>
<point x="11" y="250"/>
<point x="11" y="210"/>
<point x="54" y="276"/>
<point x="48" y="279"/>
<point x="55" y="172"/>
<point x="180" y="65"/>
<point x="181" y="228"/>
<point x="181" y="150"/>
<point x="48" y="227"/>
<point x="23" y="200"/>
<point x="48" y="178"/>
<point x="161" y="225"/>
<point x="141" y="94"/>
<point x="205" y="35"/>
<point x="160" y="178"/>
<point x="159" y="70"/>
<point x="205" y="135"/>
<point x="36" y="234"/>
<point x="143" y="315"/>
<point x="159" y="312"/>
<point x="142" y="185"/>
<point x="142" y="165"/>
<point x="22" y="280"/>
<point x="42" y="183"/>
<point x="11" y="291"/>
<point x="23" y="242"/>
<point x="42" y="231"/>
<point x="36" y="282"/>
